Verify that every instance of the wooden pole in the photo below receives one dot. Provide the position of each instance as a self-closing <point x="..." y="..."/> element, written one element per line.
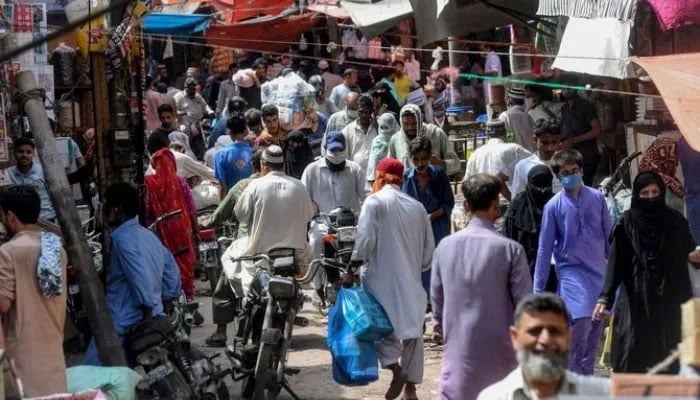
<point x="108" y="345"/>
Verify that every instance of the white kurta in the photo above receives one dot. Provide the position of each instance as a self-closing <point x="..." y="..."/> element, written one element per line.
<point x="359" y="143"/>
<point x="277" y="208"/>
<point x="395" y="238"/>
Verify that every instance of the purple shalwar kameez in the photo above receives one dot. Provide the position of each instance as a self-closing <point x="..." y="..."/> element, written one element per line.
<point x="479" y="276"/>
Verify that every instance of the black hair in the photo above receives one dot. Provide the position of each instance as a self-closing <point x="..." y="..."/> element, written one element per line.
<point x="255" y="161"/>
<point x="566" y="157"/>
<point x="253" y="117"/>
<point x="517" y="102"/>
<point x="366" y="101"/>
<point x="547" y="127"/>
<point x="24" y="141"/>
<point x="161" y="87"/>
<point x="157" y="141"/>
<point x="236" y="124"/>
<point x="421" y="143"/>
<point x="149" y="81"/>
<point x="539" y="303"/>
<point x="163" y="108"/>
<point x="481" y="190"/>
<point x="123" y="196"/>
<point x="236" y="103"/>
<point x="259" y="61"/>
<point x="244" y="64"/>
<point x="232" y="66"/>
<point x="23" y="201"/>
<point x="269" y="110"/>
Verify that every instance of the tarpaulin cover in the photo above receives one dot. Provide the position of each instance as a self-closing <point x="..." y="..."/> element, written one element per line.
<point x="240" y="10"/>
<point x="676" y="77"/>
<point x="676" y="13"/>
<point x="329" y="7"/>
<point x="378" y="17"/>
<point x="175" y="24"/>
<point x="460" y="18"/>
<point x="597" y="46"/>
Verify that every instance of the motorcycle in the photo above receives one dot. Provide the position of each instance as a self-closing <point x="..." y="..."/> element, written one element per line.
<point x="617" y="195"/>
<point x="209" y="251"/>
<point x="160" y="350"/>
<point x="337" y="247"/>
<point x="266" y="319"/>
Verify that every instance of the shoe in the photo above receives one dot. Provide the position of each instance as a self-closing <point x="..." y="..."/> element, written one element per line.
<point x="215" y="341"/>
<point x="396" y="386"/>
<point x="198" y="318"/>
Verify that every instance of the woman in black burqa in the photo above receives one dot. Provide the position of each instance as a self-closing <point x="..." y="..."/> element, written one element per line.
<point x="523" y="219"/>
<point x="648" y="262"/>
<point x="299" y="154"/>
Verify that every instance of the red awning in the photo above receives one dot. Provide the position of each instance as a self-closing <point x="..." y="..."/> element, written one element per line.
<point x="265" y="34"/>
<point x="676" y="77"/>
<point x="239" y="10"/>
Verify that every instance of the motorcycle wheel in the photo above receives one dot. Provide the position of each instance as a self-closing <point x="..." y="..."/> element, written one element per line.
<point x="265" y="375"/>
<point x="221" y="389"/>
<point x="173" y="386"/>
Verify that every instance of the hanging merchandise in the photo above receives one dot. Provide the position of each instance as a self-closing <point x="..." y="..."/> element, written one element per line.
<point x="168" y="52"/>
<point x="374" y="49"/>
<point x="362" y="49"/>
<point x="91" y="35"/>
<point x="303" y="45"/>
<point x="519" y="54"/>
<point x="63" y="61"/>
<point x="437" y="58"/>
<point x="67" y="115"/>
<point x="397" y="53"/>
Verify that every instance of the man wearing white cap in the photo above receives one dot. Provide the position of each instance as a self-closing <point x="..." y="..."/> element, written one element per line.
<point x="331" y="80"/>
<point x="518" y="121"/>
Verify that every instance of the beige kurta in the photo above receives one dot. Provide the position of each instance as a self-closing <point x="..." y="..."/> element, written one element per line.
<point x="33" y="326"/>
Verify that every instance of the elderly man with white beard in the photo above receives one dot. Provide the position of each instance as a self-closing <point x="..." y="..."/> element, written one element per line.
<point x="541" y="339"/>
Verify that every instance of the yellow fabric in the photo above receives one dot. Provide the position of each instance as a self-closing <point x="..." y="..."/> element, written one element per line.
<point x="403" y="86"/>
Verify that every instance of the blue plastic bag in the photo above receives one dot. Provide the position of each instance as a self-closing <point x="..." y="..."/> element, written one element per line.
<point x="364" y="314"/>
<point x="354" y="362"/>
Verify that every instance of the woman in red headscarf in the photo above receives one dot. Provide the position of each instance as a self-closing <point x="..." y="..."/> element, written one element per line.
<point x="167" y="192"/>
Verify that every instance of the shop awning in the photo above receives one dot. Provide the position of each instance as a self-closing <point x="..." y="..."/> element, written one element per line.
<point x="676" y="13"/>
<point x="329" y="7"/>
<point x="619" y="9"/>
<point x="595" y="46"/>
<point x="462" y="17"/>
<point x="175" y="24"/>
<point x="676" y="77"/>
<point x="373" y="18"/>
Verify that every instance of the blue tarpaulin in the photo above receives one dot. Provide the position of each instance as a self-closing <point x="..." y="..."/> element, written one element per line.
<point x="175" y="24"/>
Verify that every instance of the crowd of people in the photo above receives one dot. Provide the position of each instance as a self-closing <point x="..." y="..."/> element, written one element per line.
<point x="519" y="301"/>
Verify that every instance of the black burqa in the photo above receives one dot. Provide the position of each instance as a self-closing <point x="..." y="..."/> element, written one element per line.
<point x="298" y="153"/>
<point x="648" y="262"/>
<point x="523" y="219"/>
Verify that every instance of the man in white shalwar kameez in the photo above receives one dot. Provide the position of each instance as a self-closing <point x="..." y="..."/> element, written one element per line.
<point x="395" y="239"/>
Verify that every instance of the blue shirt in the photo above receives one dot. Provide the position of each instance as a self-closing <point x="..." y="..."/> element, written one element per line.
<point x="142" y="272"/>
<point x="233" y="163"/>
<point x="576" y="231"/>
<point x="35" y="178"/>
<point x="218" y="130"/>
<point x="437" y="194"/>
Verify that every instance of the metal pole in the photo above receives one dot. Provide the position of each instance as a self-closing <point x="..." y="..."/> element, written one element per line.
<point x="108" y="345"/>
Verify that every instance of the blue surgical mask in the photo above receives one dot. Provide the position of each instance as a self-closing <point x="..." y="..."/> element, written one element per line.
<point x="572" y="182"/>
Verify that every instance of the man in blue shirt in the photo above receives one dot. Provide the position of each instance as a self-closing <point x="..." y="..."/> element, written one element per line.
<point x="236" y="105"/>
<point x="27" y="172"/>
<point x="143" y="277"/>
<point x="576" y="226"/>
<point x="233" y="163"/>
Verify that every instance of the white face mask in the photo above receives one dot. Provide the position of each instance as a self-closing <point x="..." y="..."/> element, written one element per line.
<point x="336" y="158"/>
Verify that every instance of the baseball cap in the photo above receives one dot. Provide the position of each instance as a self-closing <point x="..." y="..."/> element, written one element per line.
<point x="335" y="141"/>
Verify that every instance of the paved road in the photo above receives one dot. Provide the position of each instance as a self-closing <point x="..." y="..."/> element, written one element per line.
<point x="309" y="353"/>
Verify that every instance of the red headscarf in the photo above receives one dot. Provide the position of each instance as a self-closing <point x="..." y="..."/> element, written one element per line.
<point x="662" y="158"/>
<point x="389" y="171"/>
<point x="165" y="195"/>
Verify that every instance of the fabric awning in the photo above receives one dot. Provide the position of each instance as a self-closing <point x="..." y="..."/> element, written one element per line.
<point x="329" y="7"/>
<point x="378" y="17"/>
<point x="460" y="18"/>
<point x="619" y="9"/>
<point x="676" y="77"/>
<point x="175" y="24"/>
<point x="595" y="46"/>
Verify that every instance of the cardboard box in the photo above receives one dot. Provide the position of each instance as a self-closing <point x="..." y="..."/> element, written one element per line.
<point x="690" y="312"/>
<point x="689" y="350"/>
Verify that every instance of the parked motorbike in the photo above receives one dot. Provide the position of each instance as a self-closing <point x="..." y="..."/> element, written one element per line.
<point x="618" y="195"/>
<point x="266" y="320"/>
<point x="160" y="350"/>
<point x="337" y="247"/>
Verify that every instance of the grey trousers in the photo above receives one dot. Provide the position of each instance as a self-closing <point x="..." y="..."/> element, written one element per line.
<point x="410" y="351"/>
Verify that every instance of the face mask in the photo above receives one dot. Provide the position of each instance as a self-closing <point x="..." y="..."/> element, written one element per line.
<point x="337" y="158"/>
<point x="653" y="205"/>
<point x="572" y="182"/>
<point x="351" y="114"/>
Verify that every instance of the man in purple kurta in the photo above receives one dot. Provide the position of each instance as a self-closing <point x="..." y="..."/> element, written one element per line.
<point x="478" y="277"/>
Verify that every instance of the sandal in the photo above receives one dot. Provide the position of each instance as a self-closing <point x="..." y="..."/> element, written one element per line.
<point x="396" y="386"/>
<point x="215" y="341"/>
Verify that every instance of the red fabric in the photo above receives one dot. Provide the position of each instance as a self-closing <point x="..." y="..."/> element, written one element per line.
<point x="390" y="166"/>
<point x="676" y="13"/>
<point x="165" y="195"/>
<point x="662" y="158"/>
